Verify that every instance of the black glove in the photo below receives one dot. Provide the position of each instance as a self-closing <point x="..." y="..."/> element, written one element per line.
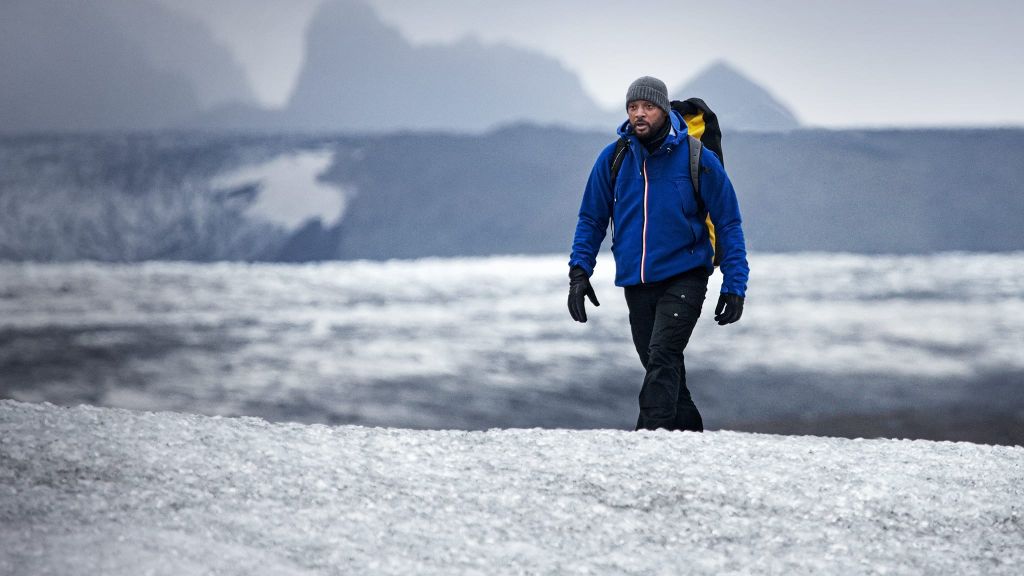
<point x="729" y="309"/>
<point x="579" y="286"/>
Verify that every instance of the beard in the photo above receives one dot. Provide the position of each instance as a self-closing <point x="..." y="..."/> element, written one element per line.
<point x="647" y="131"/>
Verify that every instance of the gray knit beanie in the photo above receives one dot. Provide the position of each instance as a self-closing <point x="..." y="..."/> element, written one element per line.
<point x="651" y="89"/>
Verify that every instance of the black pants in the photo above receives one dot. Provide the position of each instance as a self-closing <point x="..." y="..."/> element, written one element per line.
<point x="662" y="316"/>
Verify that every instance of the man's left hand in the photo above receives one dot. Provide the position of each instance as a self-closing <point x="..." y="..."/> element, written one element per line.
<point x="729" y="309"/>
<point x="579" y="286"/>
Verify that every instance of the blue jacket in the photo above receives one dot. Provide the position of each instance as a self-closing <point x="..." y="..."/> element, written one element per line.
<point x="656" y="230"/>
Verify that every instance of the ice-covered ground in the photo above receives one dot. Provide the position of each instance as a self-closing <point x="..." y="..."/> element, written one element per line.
<point x="106" y="491"/>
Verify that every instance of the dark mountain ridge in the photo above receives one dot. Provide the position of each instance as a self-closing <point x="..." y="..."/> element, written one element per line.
<point x="515" y="190"/>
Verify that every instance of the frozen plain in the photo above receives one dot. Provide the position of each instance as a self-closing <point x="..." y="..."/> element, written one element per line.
<point x="90" y="490"/>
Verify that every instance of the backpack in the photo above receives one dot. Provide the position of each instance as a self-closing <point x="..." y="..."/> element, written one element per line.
<point x="704" y="132"/>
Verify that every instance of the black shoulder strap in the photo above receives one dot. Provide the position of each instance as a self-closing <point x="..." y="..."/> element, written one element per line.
<point x="695" y="150"/>
<point x="620" y="153"/>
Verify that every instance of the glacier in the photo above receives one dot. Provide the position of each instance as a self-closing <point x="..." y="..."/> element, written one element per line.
<point x="830" y="344"/>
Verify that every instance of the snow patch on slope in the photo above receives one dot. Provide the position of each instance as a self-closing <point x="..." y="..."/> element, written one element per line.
<point x="289" y="191"/>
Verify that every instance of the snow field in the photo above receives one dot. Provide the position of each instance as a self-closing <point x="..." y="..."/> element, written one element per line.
<point x="106" y="491"/>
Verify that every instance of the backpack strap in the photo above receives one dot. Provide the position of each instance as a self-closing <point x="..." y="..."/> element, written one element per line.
<point x="696" y="147"/>
<point x="620" y="153"/>
<point x="695" y="150"/>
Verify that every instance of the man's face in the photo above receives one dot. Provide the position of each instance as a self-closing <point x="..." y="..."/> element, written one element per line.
<point x="645" y="117"/>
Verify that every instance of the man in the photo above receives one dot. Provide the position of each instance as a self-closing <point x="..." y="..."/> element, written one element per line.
<point x="663" y="252"/>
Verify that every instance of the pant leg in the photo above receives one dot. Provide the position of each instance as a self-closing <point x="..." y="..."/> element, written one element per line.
<point x="662" y="318"/>
<point x="687" y="415"/>
<point x="642" y="302"/>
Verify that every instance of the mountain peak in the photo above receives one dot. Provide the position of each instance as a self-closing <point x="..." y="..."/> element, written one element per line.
<point x="739" y="102"/>
<point x="362" y="74"/>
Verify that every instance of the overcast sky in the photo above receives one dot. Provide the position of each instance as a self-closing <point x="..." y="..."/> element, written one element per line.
<point x="835" y="63"/>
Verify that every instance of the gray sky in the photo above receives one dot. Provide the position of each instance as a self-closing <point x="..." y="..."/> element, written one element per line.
<point x="836" y="63"/>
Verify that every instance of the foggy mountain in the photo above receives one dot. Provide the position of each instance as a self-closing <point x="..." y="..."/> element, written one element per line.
<point x="174" y="42"/>
<point x="138" y="65"/>
<point x="108" y="65"/>
<point x="362" y="75"/>
<point x="739" y="103"/>
<point x="511" y="191"/>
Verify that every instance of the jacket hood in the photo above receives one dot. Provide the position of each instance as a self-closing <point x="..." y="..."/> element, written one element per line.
<point x="676" y="135"/>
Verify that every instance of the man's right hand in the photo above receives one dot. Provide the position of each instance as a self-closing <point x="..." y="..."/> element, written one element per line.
<point x="579" y="286"/>
<point x="729" y="309"/>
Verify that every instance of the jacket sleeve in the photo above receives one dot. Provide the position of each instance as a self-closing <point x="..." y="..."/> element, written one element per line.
<point x="720" y="198"/>
<point x="595" y="213"/>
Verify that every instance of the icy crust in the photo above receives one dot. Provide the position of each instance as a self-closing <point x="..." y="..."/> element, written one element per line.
<point x="105" y="491"/>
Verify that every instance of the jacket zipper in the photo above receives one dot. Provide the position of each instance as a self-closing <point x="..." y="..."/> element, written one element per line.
<point x="643" y="253"/>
